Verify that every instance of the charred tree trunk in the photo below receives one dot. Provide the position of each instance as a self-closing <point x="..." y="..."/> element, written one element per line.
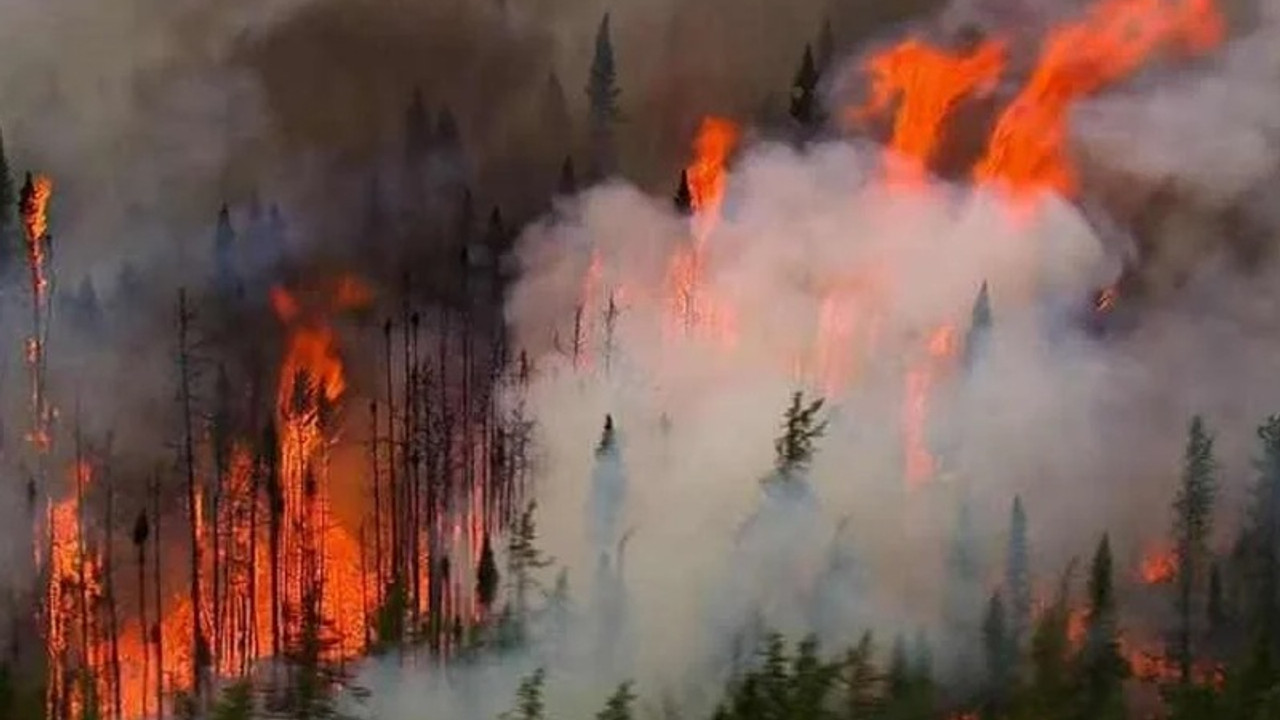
<point x="198" y="643"/>
<point x="108" y="569"/>
<point x="141" y="533"/>
<point x="155" y="631"/>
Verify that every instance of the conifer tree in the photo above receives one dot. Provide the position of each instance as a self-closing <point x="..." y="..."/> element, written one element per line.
<point x="1017" y="578"/>
<point x="486" y="575"/>
<point x="529" y="701"/>
<point x="804" y="92"/>
<point x="602" y="95"/>
<point x="995" y="645"/>
<point x="864" y="694"/>
<point x="800" y="429"/>
<point x="977" y="338"/>
<point x="1101" y="666"/>
<point x="1192" y="523"/>
<point x="10" y="238"/>
<point x="683" y="198"/>
<point x="224" y="253"/>
<point x="618" y="706"/>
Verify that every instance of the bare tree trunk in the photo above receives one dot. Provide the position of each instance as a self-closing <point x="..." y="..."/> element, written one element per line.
<point x="108" y="569"/>
<point x="158" y="635"/>
<point x="198" y="643"/>
<point x="141" y="531"/>
<point x="377" y="504"/>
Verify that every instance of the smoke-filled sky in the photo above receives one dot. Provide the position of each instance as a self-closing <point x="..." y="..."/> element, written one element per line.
<point x="150" y="114"/>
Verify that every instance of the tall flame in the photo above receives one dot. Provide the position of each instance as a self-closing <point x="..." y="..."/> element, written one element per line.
<point x="692" y="303"/>
<point x="1028" y="148"/>
<point x="927" y="83"/>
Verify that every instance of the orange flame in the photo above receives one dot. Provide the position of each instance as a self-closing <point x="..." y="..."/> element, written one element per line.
<point x="1027" y="149"/>
<point x="940" y="351"/>
<point x="690" y="301"/>
<point x="927" y="83"/>
<point x="1158" y="566"/>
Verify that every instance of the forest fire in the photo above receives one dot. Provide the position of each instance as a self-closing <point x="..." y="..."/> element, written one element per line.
<point x="939" y="353"/>
<point x="33" y="206"/>
<point x="1158" y="567"/>
<point x="693" y="303"/>
<point x="927" y="83"/>
<point x="1028" y="147"/>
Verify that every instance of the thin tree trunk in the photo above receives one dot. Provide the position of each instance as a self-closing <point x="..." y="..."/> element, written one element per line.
<point x="159" y="636"/>
<point x="189" y="464"/>
<point x="108" y="569"/>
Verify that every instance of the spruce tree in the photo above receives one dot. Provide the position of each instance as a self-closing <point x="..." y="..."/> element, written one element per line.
<point x="618" y="706"/>
<point x="602" y="95"/>
<point x="486" y="575"/>
<point x="1192" y="523"/>
<point x="10" y="237"/>
<point x="804" y="92"/>
<point x="794" y="449"/>
<point x="529" y="698"/>
<point x="977" y="338"/>
<point x="1017" y="577"/>
<point x="224" y="239"/>
<point x="1102" y="669"/>
<point x="683" y="198"/>
<point x="864" y="693"/>
<point x="995" y="645"/>
<point x="557" y="124"/>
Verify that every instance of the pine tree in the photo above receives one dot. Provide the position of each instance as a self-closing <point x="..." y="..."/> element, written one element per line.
<point x="963" y="601"/>
<point x="529" y="701"/>
<point x="235" y="703"/>
<point x="864" y="693"/>
<point x="977" y="339"/>
<point x="804" y="92"/>
<point x="1102" y="668"/>
<point x="1017" y="578"/>
<point x="523" y="558"/>
<point x="794" y="449"/>
<point x="486" y="575"/>
<point x="602" y="95"/>
<point x="684" y="196"/>
<point x="224" y="239"/>
<point x="10" y="241"/>
<point x="995" y="645"/>
<point x="618" y="706"/>
<point x="1192" y="523"/>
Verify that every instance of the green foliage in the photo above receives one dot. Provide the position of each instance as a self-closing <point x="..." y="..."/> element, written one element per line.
<point x="995" y="645"/>
<point x="529" y="698"/>
<point x="794" y="449"/>
<point x="1192" y="523"/>
<point x="619" y="704"/>
<point x="864" y="684"/>
<point x="1017" y="577"/>
<point x="1101" y="667"/>
<point x="602" y="95"/>
<point x="236" y="703"/>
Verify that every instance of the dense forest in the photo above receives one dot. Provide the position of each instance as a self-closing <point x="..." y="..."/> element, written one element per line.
<point x="933" y="383"/>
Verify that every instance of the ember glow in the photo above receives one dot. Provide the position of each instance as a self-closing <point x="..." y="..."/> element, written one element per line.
<point x="1159" y="566"/>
